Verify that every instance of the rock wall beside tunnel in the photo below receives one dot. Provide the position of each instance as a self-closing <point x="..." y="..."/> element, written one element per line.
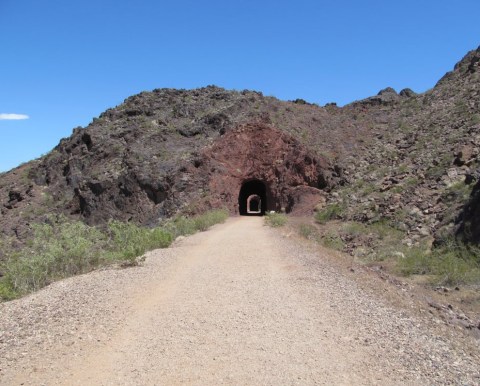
<point x="259" y="152"/>
<point x="468" y="222"/>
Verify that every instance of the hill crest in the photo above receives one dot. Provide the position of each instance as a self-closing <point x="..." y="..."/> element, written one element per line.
<point x="144" y="160"/>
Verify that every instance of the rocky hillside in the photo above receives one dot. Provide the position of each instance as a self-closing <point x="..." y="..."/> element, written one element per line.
<point x="155" y="155"/>
<point x="421" y="164"/>
<point x="407" y="158"/>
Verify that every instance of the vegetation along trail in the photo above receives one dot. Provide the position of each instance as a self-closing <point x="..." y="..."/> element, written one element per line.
<point x="240" y="304"/>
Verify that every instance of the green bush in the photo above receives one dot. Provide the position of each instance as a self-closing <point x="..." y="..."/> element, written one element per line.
<point x="181" y="226"/>
<point x="385" y="231"/>
<point x="189" y="225"/>
<point x="206" y="220"/>
<point x="62" y="248"/>
<point x="333" y="240"/>
<point x="128" y="241"/>
<point x="275" y="220"/>
<point x="308" y="231"/>
<point x="56" y="251"/>
<point x="355" y="229"/>
<point x="415" y="262"/>
<point x="330" y="212"/>
<point x="6" y="290"/>
<point x="452" y="264"/>
<point x="458" y="192"/>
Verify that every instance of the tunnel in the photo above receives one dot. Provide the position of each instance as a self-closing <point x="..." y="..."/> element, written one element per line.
<point x="252" y="200"/>
<point x="254" y="204"/>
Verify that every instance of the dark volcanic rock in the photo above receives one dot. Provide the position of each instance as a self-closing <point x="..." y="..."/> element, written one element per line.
<point x="385" y="97"/>
<point x="407" y="92"/>
<point x="469" y="219"/>
<point x="151" y="158"/>
<point x="407" y="158"/>
<point x="387" y="91"/>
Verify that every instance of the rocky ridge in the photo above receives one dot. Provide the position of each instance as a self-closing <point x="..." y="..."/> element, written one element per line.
<point x="410" y="159"/>
<point x="421" y="164"/>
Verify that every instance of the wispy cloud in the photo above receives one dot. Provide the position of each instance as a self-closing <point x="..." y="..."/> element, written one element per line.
<point x="13" y="117"/>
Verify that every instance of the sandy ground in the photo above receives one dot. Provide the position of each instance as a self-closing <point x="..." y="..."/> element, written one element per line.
<point x="240" y="304"/>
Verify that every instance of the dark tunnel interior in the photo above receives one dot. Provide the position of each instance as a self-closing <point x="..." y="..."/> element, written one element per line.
<point x="255" y="206"/>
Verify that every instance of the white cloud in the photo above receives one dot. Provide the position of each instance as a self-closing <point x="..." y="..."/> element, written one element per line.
<point x="15" y="117"/>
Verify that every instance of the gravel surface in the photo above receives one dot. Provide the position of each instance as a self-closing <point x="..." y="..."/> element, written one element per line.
<point x="241" y="304"/>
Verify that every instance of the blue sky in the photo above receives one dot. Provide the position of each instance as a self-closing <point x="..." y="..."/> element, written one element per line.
<point x="63" y="63"/>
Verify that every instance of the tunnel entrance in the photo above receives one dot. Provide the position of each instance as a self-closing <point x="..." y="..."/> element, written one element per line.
<point x="252" y="200"/>
<point x="254" y="204"/>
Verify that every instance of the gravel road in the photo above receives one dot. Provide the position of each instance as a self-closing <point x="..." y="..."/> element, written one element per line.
<point x="240" y="304"/>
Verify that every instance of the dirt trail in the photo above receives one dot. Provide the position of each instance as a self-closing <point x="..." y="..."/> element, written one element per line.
<point x="239" y="304"/>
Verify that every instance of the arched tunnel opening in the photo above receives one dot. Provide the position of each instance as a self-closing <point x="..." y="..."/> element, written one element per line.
<point x="254" y="204"/>
<point x="252" y="200"/>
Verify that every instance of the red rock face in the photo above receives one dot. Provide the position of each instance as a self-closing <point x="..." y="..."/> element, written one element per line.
<point x="257" y="154"/>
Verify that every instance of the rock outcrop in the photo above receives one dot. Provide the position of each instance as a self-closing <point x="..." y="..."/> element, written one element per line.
<point x="263" y="153"/>
<point x="410" y="159"/>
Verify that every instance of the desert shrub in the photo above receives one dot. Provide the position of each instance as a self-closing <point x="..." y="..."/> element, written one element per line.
<point x="453" y="263"/>
<point x="397" y="189"/>
<point x="183" y="226"/>
<point x="415" y="262"/>
<point x="128" y="241"/>
<point x="403" y="168"/>
<point x="411" y="182"/>
<point x="458" y="192"/>
<point x="275" y="219"/>
<point x="330" y="212"/>
<point x="62" y="248"/>
<point x="449" y="269"/>
<point x="380" y="241"/>
<point x="6" y="290"/>
<point x="333" y="240"/>
<point x="56" y="251"/>
<point x="355" y="229"/>
<point x="475" y="119"/>
<point x="398" y="217"/>
<point x="206" y="220"/>
<point x="308" y="231"/>
<point x="385" y="231"/>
